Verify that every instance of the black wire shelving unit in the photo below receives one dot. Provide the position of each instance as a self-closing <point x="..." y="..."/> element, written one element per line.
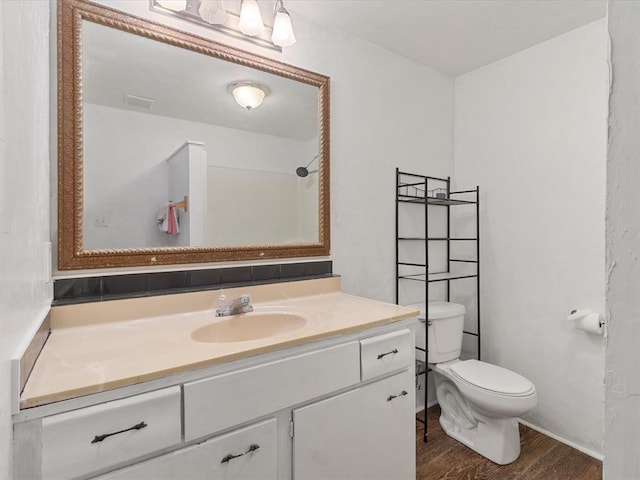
<point x="427" y="191"/>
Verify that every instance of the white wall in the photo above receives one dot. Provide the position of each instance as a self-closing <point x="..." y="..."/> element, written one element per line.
<point x="622" y="418"/>
<point x="387" y="112"/>
<point x="24" y="188"/>
<point x="531" y="131"/>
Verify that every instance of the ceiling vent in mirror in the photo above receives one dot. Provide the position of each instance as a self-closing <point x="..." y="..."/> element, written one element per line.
<point x="140" y="102"/>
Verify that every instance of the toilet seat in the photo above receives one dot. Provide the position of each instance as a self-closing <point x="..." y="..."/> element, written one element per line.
<point x="491" y="378"/>
<point x="505" y="395"/>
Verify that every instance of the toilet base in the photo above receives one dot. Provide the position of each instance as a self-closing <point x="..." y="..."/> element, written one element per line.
<point x="496" y="439"/>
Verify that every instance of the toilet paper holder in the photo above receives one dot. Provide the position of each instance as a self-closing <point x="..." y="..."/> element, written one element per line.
<point x="587" y="320"/>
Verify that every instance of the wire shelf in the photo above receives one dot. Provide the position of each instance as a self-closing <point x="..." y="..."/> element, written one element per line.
<point x="436" y="277"/>
<point x="435" y="191"/>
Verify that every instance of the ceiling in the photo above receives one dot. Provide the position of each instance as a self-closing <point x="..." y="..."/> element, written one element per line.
<point x="452" y="36"/>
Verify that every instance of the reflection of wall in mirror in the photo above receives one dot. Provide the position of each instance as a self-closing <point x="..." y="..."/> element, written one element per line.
<point x="124" y="156"/>
<point x="115" y="172"/>
<point x="270" y="206"/>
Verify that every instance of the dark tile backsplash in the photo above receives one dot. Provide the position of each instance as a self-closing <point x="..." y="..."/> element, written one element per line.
<point x="92" y="289"/>
<point x="167" y="281"/>
<point x="293" y="270"/>
<point x="77" y="287"/>
<point x="235" y="275"/>
<point x="204" y="278"/>
<point x="318" y="268"/>
<point x="119" y="284"/>
<point x="265" y="272"/>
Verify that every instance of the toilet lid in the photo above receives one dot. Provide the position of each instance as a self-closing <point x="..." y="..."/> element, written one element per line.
<point x="491" y="377"/>
<point x="439" y="310"/>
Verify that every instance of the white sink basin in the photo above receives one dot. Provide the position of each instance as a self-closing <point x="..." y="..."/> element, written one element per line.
<point x="249" y="326"/>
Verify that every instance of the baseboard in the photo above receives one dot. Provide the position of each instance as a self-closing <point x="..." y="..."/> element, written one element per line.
<point x="591" y="453"/>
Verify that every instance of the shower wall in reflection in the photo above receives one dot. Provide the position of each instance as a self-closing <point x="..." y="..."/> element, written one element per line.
<point x="269" y="207"/>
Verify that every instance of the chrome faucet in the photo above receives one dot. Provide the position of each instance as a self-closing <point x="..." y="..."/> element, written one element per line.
<point x="242" y="304"/>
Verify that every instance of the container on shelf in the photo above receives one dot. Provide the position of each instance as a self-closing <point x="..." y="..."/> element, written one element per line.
<point x="438" y="193"/>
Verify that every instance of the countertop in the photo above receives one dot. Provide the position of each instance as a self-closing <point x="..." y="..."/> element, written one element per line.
<point x="105" y="345"/>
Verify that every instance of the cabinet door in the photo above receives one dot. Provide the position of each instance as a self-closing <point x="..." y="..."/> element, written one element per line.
<point x="247" y="453"/>
<point x="367" y="433"/>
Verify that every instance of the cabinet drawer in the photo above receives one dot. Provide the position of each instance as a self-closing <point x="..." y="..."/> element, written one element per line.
<point x="221" y="402"/>
<point x="85" y="440"/>
<point x="386" y="353"/>
<point x="211" y="459"/>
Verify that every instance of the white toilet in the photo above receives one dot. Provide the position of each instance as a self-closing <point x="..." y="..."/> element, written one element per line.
<point x="480" y="402"/>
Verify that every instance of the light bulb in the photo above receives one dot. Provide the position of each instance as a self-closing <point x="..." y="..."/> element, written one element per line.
<point x="282" y="29"/>
<point x="213" y="12"/>
<point x="250" y="18"/>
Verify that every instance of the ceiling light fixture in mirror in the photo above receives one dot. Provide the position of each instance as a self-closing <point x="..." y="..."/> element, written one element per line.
<point x="248" y="95"/>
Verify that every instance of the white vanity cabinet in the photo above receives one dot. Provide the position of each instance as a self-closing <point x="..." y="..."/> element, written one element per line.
<point x="337" y="408"/>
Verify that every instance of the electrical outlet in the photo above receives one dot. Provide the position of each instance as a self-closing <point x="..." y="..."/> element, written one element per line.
<point x="101" y="220"/>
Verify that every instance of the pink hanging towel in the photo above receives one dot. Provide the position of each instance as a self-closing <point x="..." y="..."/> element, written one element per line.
<point x="172" y="221"/>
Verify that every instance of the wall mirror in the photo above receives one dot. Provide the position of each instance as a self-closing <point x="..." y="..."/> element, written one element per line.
<point x="158" y="162"/>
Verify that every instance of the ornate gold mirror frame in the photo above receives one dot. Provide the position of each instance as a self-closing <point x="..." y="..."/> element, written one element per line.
<point x="71" y="254"/>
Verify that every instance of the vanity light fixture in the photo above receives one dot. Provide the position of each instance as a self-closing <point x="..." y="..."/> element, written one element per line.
<point x="239" y="19"/>
<point x="251" y="23"/>
<point x="175" y="5"/>
<point x="282" y="29"/>
<point x="248" y="95"/>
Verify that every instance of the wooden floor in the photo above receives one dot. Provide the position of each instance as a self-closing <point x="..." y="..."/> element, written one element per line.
<point x="443" y="458"/>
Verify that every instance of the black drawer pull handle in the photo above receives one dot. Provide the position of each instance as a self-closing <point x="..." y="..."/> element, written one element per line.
<point x="394" y="351"/>
<point x="230" y="456"/>
<point x="99" y="438"/>
<point x="402" y="394"/>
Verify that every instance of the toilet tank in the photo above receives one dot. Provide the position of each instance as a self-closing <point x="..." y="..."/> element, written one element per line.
<point x="445" y="331"/>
